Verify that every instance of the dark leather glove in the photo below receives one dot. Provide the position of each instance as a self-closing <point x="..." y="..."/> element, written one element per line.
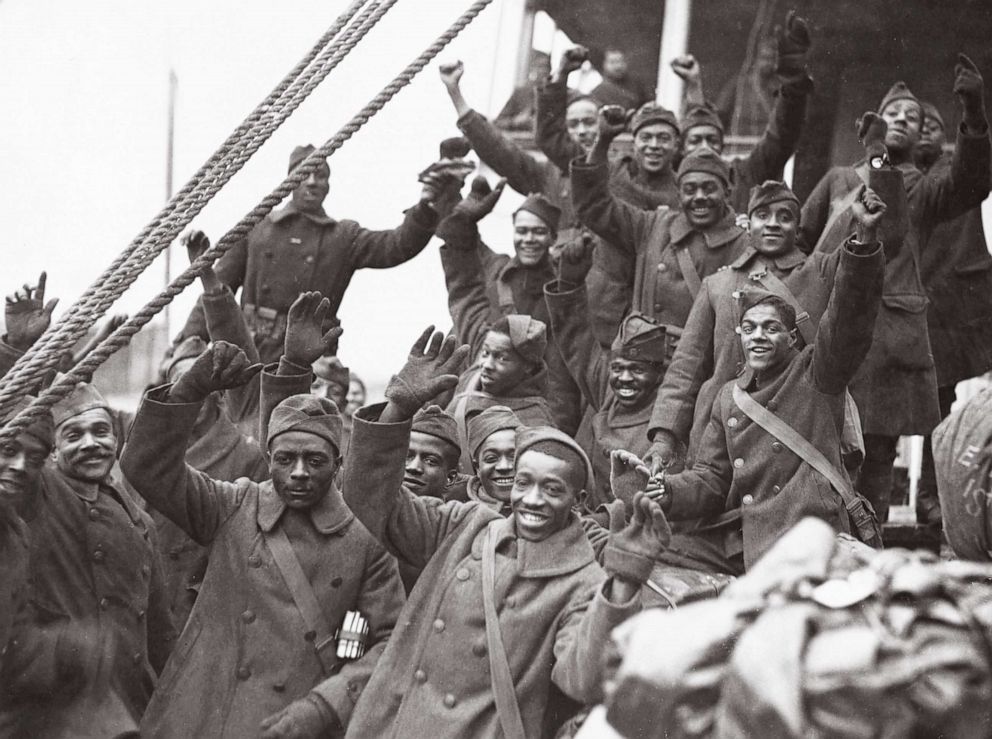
<point x="970" y="89"/>
<point x="220" y="367"/>
<point x="27" y="315"/>
<point x="575" y="259"/>
<point x="628" y="475"/>
<point x="480" y="201"/>
<point x="793" y="46"/>
<point x="871" y="133"/>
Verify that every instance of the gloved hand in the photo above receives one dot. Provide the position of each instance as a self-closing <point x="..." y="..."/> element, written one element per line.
<point x="575" y="259"/>
<point x="631" y="551"/>
<point x="27" y="315"/>
<point x="793" y="46"/>
<point x="868" y="210"/>
<point x="307" y="718"/>
<point x="871" y="133"/>
<point x="571" y="60"/>
<point x="970" y="90"/>
<point x="425" y="375"/>
<point x="480" y="201"/>
<point x="612" y="122"/>
<point x="306" y="341"/>
<point x="220" y="367"/>
<point x="628" y="476"/>
<point x="456" y="147"/>
<point x="664" y="454"/>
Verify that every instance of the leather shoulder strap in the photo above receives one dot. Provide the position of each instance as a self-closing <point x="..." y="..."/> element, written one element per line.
<point x="688" y="270"/>
<point x="794" y="440"/>
<point x="302" y="592"/>
<point x="499" y="668"/>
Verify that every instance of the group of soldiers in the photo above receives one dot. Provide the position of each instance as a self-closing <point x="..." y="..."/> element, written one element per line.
<point x="679" y="362"/>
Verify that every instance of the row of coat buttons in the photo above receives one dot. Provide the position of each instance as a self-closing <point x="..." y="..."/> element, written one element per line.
<point x="271" y="256"/>
<point x="449" y="700"/>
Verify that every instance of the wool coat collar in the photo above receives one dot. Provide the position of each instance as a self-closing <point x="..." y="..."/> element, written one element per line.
<point x="723" y="231"/>
<point x="561" y="553"/>
<point x="329" y="516"/>
<point x="785" y="262"/>
<point x="321" y="219"/>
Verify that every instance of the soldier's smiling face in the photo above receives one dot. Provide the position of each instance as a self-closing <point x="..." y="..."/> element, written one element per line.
<point x="544" y="490"/>
<point x="773" y="227"/>
<point x="86" y="446"/>
<point x="494" y="464"/>
<point x="532" y="238"/>
<point x="765" y="337"/>
<point x="633" y="382"/>
<point x="703" y="197"/>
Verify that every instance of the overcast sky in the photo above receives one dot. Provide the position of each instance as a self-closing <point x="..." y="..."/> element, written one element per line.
<point x="82" y="138"/>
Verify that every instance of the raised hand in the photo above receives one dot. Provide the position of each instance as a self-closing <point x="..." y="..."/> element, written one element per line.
<point x="306" y="341"/>
<point x="664" y="454"/>
<point x="480" y="201"/>
<point x="867" y="209"/>
<point x="431" y="369"/>
<point x="628" y="475"/>
<point x="632" y="550"/>
<point x="871" y="133"/>
<point x="221" y="367"/>
<point x="572" y="60"/>
<point x="27" y="315"/>
<point x="686" y="67"/>
<point x="451" y="74"/>
<point x="793" y="46"/>
<point x="970" y="90"/>
<point x="575" y="260"/>
<point x="612" y="122"/>
<point x="195" y="242"/>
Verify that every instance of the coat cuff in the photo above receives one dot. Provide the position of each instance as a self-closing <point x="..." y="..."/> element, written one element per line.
<point x="423" y="216"/>
<point x="628" y="565"/>
<point x="471" y="121"/>
<point x="330" y="698"/>
<point x="8" y="356"/>
<point x="458" y="232"/>
<point x="156" y="406"/>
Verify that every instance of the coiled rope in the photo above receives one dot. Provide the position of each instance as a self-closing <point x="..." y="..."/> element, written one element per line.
<point x="223" y="164"/>
<point x="122" y="335"/>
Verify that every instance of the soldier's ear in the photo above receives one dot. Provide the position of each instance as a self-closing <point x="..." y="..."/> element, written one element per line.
<point x="793" y="337"/>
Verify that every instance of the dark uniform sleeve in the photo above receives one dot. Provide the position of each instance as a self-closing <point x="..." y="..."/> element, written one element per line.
<point x="619" y="224"/>
<point x="409" y="527"/>
<point x="585" y="360"/>
<point x="952" y="192"/>
<point x="845" y="332"/>
<point x="816" y="211"/>
<point x="461" y="259"/>
<point x="767" y="160"/>
<point x="702" y="490"/>
<point x="522" y="171"/>
<point x="380" y="600"/>
<point x="552" y="133"/>
<point x="154" y="463"/>
<point x="692" y="364"/>
<point x="226" y="322"/>
<point x="383" y="249"/>
<point x="161" y="636"/>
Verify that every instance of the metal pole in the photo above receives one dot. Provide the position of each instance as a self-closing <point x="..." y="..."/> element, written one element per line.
<point x="169" y="156"/>
<point x="674" y="42"/>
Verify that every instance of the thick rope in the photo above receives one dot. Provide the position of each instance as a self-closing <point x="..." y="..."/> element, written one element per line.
<point x="83" y="372"/>
<point x="32" y="369"/>
<point x="76" y="321"/>
<point x="87" y="308"/>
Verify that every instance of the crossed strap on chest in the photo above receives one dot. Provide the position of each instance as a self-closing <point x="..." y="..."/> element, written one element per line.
<point x="504" y="693"/>
<point x="863" y="518"/>
<point x="303" y="596"/>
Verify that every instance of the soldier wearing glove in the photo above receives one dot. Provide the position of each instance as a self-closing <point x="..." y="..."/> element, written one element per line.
<point x="287" y="560"/>
<point x="552" y="605"/>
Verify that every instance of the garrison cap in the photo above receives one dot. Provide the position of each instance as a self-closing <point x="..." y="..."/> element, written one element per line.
<point x="485" y="424"/>
<point x="309" y="413"/>
<point x="433" y="421"/>
<point x="898" y="91"/>
<point x="543" y="208"/>
<point x="701" y="115"/>
<point x="555" y="443"/>
<point x="83" y="398"/>
<point x="528" y="336"/>
<point x="640" y="338"/>
<point x="653" y="113"/>
<point x="768" y="192"/>
<point x="705" y="160"/>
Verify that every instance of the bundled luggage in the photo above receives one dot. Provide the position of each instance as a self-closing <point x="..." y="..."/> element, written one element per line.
<point x="823" y="637"/>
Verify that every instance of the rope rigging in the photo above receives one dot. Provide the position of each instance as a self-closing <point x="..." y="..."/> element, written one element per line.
<point x="225" y="162"/>
<point x="47" y="356"/>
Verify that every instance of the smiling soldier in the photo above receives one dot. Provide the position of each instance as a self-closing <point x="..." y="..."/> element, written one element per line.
<point x="770" y="454"/>
<point x="620" y="385"/>
<point x="505" y="607"/>
<point x="674" y="249"/>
